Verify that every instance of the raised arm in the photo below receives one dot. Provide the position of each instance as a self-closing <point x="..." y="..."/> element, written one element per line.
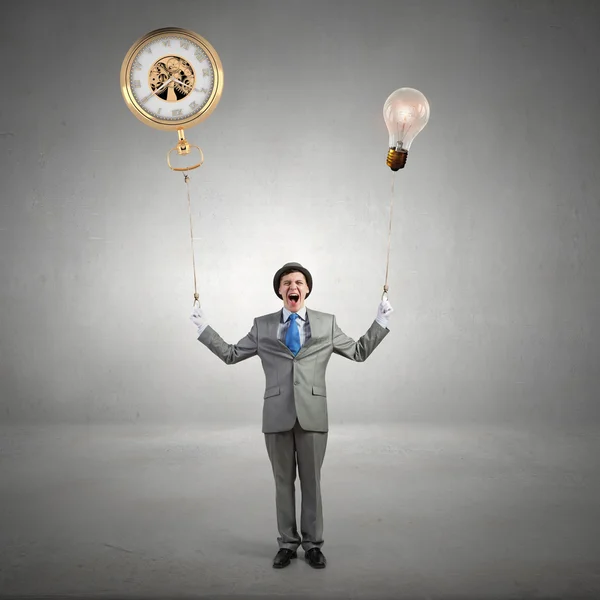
<point x="359" y="351"/>
<point x="228" y="353"/>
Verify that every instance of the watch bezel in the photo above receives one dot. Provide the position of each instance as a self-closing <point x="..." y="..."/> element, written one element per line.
<point x="186" y="122"/>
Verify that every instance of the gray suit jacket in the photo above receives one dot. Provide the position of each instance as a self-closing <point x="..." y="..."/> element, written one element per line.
<point x="295" y="385"/>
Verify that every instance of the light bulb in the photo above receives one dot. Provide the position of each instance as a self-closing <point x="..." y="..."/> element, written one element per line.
<point x="405" y="112"/>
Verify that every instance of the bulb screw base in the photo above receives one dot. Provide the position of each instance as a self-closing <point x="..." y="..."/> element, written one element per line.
<point x="396" y="159"/>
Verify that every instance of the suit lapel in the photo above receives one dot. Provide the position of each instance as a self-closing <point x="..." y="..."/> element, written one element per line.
<point x="274" y="331"/>
<point x="314" y="322"/>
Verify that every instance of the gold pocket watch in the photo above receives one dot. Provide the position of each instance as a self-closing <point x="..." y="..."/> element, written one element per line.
<point x="172" y="79"/>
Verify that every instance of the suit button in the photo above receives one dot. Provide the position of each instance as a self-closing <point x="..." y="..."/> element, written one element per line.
<point x="295" y="383"/>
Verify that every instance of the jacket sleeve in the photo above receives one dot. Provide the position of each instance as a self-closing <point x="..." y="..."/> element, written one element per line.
<point x="358" y="351"/>
<point x="230" y="353"/>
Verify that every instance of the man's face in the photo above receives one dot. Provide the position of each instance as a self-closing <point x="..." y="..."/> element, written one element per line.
<point x="293" y="288"/>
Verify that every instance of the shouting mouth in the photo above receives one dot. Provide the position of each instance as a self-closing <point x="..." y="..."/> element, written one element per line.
<point x="293" y="299"/>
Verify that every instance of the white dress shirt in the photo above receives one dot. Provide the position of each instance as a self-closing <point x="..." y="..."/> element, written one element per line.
<point x="301" y="322"/>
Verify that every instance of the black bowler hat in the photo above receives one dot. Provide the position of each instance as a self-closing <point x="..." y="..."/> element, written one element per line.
<point x="292" y="267"/>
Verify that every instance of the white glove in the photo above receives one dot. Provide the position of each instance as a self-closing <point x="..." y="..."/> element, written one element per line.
<point x="385" y="309"/>
<point x="199" y="319"/>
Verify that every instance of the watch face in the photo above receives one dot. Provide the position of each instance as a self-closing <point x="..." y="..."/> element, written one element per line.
<point x="171" y="78"/>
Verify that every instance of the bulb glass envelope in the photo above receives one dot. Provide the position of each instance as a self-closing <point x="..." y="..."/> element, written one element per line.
<point x="406" y="113"/>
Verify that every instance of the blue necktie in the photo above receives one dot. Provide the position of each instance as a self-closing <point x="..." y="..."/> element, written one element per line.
<point x="292" y="337"/>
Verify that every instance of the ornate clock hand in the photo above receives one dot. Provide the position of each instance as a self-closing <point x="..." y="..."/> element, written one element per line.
<point x="157" y="90"/>
<point x="181" y="82"/>
<point x="186" y="85"/>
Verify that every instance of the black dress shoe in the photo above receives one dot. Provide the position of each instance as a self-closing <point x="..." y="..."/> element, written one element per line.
<point x="315" y="558"/>
<point x="282" y="558"/>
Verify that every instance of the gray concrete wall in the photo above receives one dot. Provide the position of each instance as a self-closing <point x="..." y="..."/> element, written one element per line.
<point x="494" y="263"/>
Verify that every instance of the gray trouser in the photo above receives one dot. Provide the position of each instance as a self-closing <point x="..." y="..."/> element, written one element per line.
<point x="307" y="449"/>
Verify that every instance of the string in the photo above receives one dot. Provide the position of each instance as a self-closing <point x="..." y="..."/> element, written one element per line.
<point x="387" y="265"/>
<point x="187" y="181"/>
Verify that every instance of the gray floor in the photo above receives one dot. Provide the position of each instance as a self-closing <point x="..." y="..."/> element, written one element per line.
<point x="411" y="511"/>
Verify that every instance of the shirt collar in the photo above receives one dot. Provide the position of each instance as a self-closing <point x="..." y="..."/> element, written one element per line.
<point x="287" y="313"/>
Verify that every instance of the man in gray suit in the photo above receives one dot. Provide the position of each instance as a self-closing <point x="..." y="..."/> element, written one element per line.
<point x="295" y="345"/>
